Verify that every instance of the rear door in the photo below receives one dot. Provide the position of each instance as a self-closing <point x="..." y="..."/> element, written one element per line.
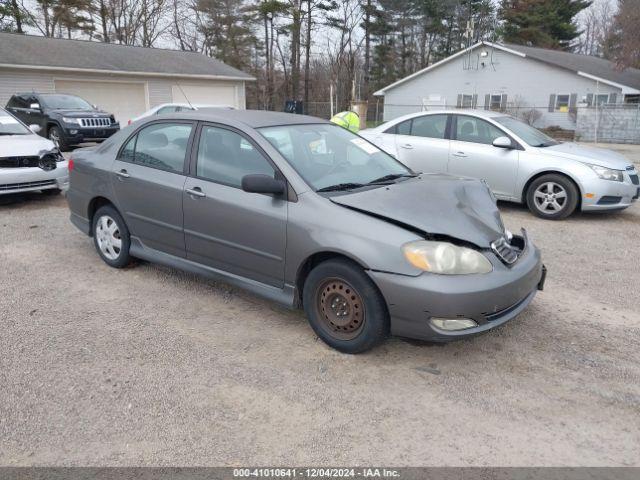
<point x="225" y="227"/>
<point x="148" y="178"/>
<point x="422" y="143"/>
<point x="473" y="155"/>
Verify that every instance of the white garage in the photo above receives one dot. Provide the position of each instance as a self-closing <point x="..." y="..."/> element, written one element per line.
<point x="122" y="99"/>
<point x="122" y="80"/>
<point x="224" y="94"/>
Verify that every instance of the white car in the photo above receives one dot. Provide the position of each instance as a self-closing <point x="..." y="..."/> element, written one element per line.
<point x="176" y="107"/>
<point x="29" y="162"/>
<point x="518" y="162"/>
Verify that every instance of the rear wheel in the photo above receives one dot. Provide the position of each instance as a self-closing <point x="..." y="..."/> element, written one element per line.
<point x="111" y="237"/>
<point x="552" y="196"/>
<point x="344" y="307"/>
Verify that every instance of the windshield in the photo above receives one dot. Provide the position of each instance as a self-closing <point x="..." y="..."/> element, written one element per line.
<point x="532" y="136"/>
<point x="329" y="157"/>
<point x="65" y="102"/>
<point x="10" y="126"/>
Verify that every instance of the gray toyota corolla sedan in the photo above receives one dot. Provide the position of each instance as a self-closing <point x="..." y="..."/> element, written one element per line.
<point x="310" y="215"/>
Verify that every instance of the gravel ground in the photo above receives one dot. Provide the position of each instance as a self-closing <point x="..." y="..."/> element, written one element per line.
<point x="152" y="366"/>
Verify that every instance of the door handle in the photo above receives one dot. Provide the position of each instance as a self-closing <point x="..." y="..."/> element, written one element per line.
<point x="459" y="154"/>
<point x="123" y="173"/>
<point x="196" y="192"/>
<point x="408" y="146"/>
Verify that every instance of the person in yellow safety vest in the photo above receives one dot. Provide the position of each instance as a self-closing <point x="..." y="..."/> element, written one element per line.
<point x="349" y="120"/>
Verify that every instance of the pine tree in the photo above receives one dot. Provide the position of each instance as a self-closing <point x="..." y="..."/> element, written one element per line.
<point x="541" y="23"/>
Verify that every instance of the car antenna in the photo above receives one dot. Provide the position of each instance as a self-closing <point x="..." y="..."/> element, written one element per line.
<point x="184" y="95"/>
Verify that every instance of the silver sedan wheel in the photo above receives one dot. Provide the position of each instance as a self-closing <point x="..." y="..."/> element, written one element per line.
<point x="108" y="237"/>
<point x="550" y="198"/>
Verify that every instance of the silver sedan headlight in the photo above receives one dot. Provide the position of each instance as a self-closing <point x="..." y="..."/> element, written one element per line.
<point x="71" y="120"/>
<point x="608" y="173"/>
<point x="445" y="258"/>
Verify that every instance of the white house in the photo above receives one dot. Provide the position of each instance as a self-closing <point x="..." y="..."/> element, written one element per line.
<point x="123" y="80"/>
<point x="514" y="78"/>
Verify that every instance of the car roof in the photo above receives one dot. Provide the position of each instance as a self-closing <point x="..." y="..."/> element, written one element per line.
<point x="459" y="111"/>
<point x="250" y="118"/>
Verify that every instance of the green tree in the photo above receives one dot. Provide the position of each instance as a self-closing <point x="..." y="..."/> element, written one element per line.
<point x="541" y="23"/>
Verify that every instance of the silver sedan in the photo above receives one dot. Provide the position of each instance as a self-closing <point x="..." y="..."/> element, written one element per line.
<point x="518" y="162"/>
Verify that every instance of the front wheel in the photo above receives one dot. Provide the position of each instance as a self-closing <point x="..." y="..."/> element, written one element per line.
<point x="344" y="307"/>
<point x="552" y="196"/>
<point x="55" y="135"/>
<point x="111" y="237"/>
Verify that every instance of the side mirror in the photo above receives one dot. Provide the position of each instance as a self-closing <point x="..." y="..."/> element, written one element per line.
<point x="263" y="184"/>
<point x="503" y="142"/>
<point x="95" y="107"/>
<point x="35" y="128"/>
<point x="34" y="106"/>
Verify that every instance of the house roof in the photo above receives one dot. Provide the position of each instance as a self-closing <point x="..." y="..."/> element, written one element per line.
<point x="33" y="52"/>
<point x="584" y="65"/>
<point x="598" y="67"/>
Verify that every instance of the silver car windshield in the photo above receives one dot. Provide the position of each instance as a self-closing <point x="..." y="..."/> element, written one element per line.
<point x="329" y="157"/>
<point x="532" y="136"/>
<point x="10" y="126"/>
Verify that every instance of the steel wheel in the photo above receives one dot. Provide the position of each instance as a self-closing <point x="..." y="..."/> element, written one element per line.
<point x="108" y="237"/>
<point x="340" y="309"/>
<point x="550" y="197"/>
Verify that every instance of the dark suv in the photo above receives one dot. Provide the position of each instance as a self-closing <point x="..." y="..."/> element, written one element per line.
<point x="65" y="119"/>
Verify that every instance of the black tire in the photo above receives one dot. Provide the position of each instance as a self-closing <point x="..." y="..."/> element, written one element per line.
<point x="110" y="214"/>
<point x="345" y="283"/>
<point x="51" y="192"/>
<point x="558" y="185"/>
<point x="55" y="135"/>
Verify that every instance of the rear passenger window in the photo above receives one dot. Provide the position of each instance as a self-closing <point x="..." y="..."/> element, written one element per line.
<point x="430" y="126"/>
<point x="161" y="145"/>
<point x="225" y="157"/>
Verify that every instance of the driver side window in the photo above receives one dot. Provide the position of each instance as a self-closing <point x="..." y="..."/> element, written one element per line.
<point x="476" y="130"/>
<point x="225" y="156"/>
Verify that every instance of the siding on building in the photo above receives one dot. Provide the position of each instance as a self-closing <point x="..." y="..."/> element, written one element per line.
<point x="158" y="89"/>
<point x="526" y="82"/>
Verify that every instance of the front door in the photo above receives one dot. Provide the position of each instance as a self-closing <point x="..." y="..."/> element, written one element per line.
<point x="225" y="227"/>
<point x="148" y="179"/>
<point x="422" y="143"/>
<point x="473" y="155"/>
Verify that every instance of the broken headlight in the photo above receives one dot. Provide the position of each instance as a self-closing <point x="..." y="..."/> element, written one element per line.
<point x="445" y="258"/>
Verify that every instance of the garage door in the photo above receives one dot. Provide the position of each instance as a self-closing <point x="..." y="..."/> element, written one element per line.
<point x="208" y="94"/>
<point x="124" y="100"/>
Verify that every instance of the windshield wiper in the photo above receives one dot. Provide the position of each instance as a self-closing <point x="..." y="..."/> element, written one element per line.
<point x="9" y="133"/>
<point x="392" y="176"/>
<point x="340" y="186"/>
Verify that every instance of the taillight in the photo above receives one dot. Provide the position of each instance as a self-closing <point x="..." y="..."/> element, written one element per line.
<point x="70" y="165"/>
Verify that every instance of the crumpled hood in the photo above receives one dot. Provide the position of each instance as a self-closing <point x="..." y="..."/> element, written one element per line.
<point x="596" y="156"/>
<point x="435" y="204"/>
<point x="24" y="145"/>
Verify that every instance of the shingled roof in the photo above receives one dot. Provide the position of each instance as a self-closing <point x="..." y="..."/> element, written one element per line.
<point x="598" y="67"/>
<point x="585" y="65"/>
<point x="30" y="51"/>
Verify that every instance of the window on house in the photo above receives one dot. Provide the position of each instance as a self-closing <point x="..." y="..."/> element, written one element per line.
<point x="495" y="102"/>
<point x="632" y="98"/>
<point x="467" y="101"/>
<point x="562" y="103"/>
<point x="602" y="99"/>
